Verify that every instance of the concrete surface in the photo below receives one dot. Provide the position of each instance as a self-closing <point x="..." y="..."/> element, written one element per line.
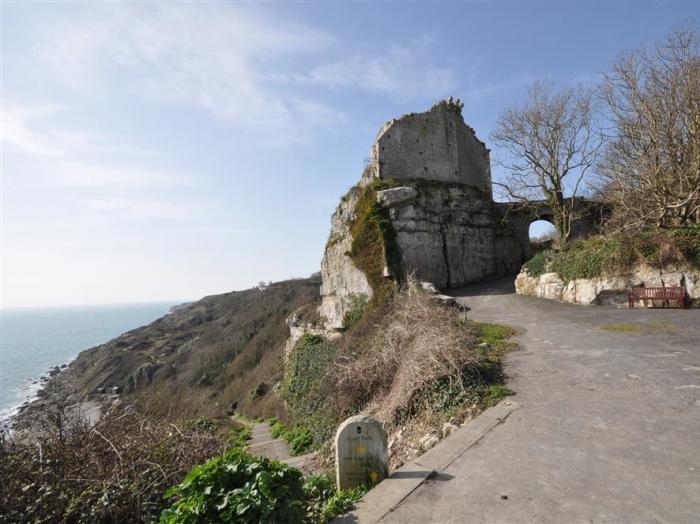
<point x="263" y="444"/>
<point x="607" y="425"/>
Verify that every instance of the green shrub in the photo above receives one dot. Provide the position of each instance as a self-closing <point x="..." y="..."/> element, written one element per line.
<point x="618" y="254"/>
<point x="688" y="241"/>
<point x="203" y="424"/>
<point x="374" y="244"/>
<point x="238" y="488"/>
<point x="300" y="439"/>
<point x="537" y="265"/>
<point x="355" y="307"/>
<point x="309" y="364"/>
<point x="324" y="502"/>
<point x="238" y="437"/>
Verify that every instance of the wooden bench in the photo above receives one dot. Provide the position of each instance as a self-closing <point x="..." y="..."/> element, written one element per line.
<point x="658" y="296"/>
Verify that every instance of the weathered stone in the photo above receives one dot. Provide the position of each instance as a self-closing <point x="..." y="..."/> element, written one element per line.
<point x="550" y="286"/>
<point x="341" y="279"/>
<point x="525" y="284"/>
<point x="435" y="145"/>
<point x="429" y="441"/>
<point x="608" y="290"/>
<point x="448" y="428"/>
<point x="447" y="229"/>
<point x="361" y="452"/>
<point x="396" y="196"/>
<point x="297" y="329"/>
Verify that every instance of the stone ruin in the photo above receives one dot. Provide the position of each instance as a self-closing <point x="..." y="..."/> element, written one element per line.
<point x="448" y="230"/>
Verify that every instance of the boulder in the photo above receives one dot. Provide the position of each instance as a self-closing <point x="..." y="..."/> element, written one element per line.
<point x="428" y="442"/>
<point x="396" y="196"/>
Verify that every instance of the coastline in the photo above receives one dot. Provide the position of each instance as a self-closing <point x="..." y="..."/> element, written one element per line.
<point x="56" y="395"/>
<point x="53" y="381"/>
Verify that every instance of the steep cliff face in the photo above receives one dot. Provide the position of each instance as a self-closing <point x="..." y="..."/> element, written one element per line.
<point x="342" y="280"/>
<point x="430" y="183"/>
<point x="451" y="235"/>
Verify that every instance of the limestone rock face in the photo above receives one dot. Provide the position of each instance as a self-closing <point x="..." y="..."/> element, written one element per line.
<point x="451" y="235"/>
<point x="550" y="286"/>
<point x="525" y="284"/>
<point x="607" y="290"/>
<point x="341" y="279"/>
<point x="396" y="196"/>
<point x="446" y="229"/>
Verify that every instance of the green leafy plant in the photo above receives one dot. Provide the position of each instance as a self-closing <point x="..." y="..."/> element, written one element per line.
<point x="300" y="439"/>
<point x="355" y="307"/>
<point x="325" y="502"/>
<point x="238" y="488"/>
<point x="238" y="436"/>
<point x="537" y="265"/>
<point x="309" y="363"/>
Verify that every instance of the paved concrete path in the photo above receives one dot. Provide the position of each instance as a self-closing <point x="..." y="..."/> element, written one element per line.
<point x="263" y="444"/>
<point x="604" y="426"/>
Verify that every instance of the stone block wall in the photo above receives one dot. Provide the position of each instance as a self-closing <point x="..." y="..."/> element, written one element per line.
<point x="436" y="145"/>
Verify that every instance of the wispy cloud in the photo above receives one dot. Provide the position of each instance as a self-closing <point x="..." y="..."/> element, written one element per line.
<point x="211" y="56"/>
<point x="40" y="130"/>
<point x="140" y="207"/>
<point x="115" y="178"/>
<point x="404" y="72"/>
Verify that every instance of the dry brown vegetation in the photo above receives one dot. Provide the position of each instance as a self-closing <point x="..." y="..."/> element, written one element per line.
<point x="651" y="166"/>
<point x="416" y="343"/>
<point x="208" y="355"/>
<point x="411" y="362"/>
<point x="114" y="471"/>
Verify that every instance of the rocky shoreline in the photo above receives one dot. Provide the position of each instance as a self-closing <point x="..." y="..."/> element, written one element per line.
<point x="56" y="401"/>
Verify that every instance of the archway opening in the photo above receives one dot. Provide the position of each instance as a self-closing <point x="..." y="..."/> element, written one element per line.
<point x="543" y="234"/>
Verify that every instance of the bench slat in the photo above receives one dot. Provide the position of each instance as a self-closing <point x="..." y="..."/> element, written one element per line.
<point x="673" y="293"/>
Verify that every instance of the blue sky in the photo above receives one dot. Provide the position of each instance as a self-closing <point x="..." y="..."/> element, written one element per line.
<point x="156" y="151"/>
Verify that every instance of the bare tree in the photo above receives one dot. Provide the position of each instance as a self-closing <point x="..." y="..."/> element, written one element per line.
<point x="548" y="145"/>
<point x="650" y="169"/>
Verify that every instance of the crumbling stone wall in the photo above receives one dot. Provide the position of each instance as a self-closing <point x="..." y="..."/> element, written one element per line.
<point x="436" y="145"/>
<point x="448" y="231"/>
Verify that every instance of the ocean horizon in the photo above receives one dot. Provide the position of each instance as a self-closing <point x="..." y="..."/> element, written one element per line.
<point x="34" y="340"/>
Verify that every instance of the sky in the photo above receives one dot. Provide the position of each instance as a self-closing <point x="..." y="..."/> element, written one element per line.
<point x="168" y="151"/>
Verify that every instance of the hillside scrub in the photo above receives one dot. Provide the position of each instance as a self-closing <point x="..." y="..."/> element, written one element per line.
<point x="208" y="356"/>
<point x="237" y="487"/>
<point x="619" y="254"/>
<point x="114" y="471"/>
<point x="409" y="357"/>
<point x="374" y="244"/>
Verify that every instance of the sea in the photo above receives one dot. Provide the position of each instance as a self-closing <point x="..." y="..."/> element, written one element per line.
<point x="35" y="340"/>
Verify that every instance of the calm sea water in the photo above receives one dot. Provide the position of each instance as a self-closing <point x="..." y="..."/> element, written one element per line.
<point x="34" y="340"/>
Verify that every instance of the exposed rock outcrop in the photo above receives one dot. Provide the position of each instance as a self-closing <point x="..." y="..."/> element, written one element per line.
<point x="431" y="179"/>
<point x="607" y="290"/>
<point x="341" y="278"/>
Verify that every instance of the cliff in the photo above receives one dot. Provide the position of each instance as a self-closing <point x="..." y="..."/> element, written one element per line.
<point x="422" y="207"/>
<point x="207" y="356"/>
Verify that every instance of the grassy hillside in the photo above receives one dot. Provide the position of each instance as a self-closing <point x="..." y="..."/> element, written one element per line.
<point x="203" y="356"/>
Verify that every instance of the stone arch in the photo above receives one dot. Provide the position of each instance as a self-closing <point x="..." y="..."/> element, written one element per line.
<point x="541" y="226"/>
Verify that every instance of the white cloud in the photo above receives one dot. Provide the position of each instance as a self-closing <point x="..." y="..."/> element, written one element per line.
<point x="39" y="129"/>
<point x="211" y="56"/>
<point x="142" y="207"/>
<point x="404" y="72"/>
<point x="114" y="178"/>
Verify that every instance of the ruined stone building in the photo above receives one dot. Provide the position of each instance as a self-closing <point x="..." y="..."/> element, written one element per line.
<point x="431" y="177"/>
